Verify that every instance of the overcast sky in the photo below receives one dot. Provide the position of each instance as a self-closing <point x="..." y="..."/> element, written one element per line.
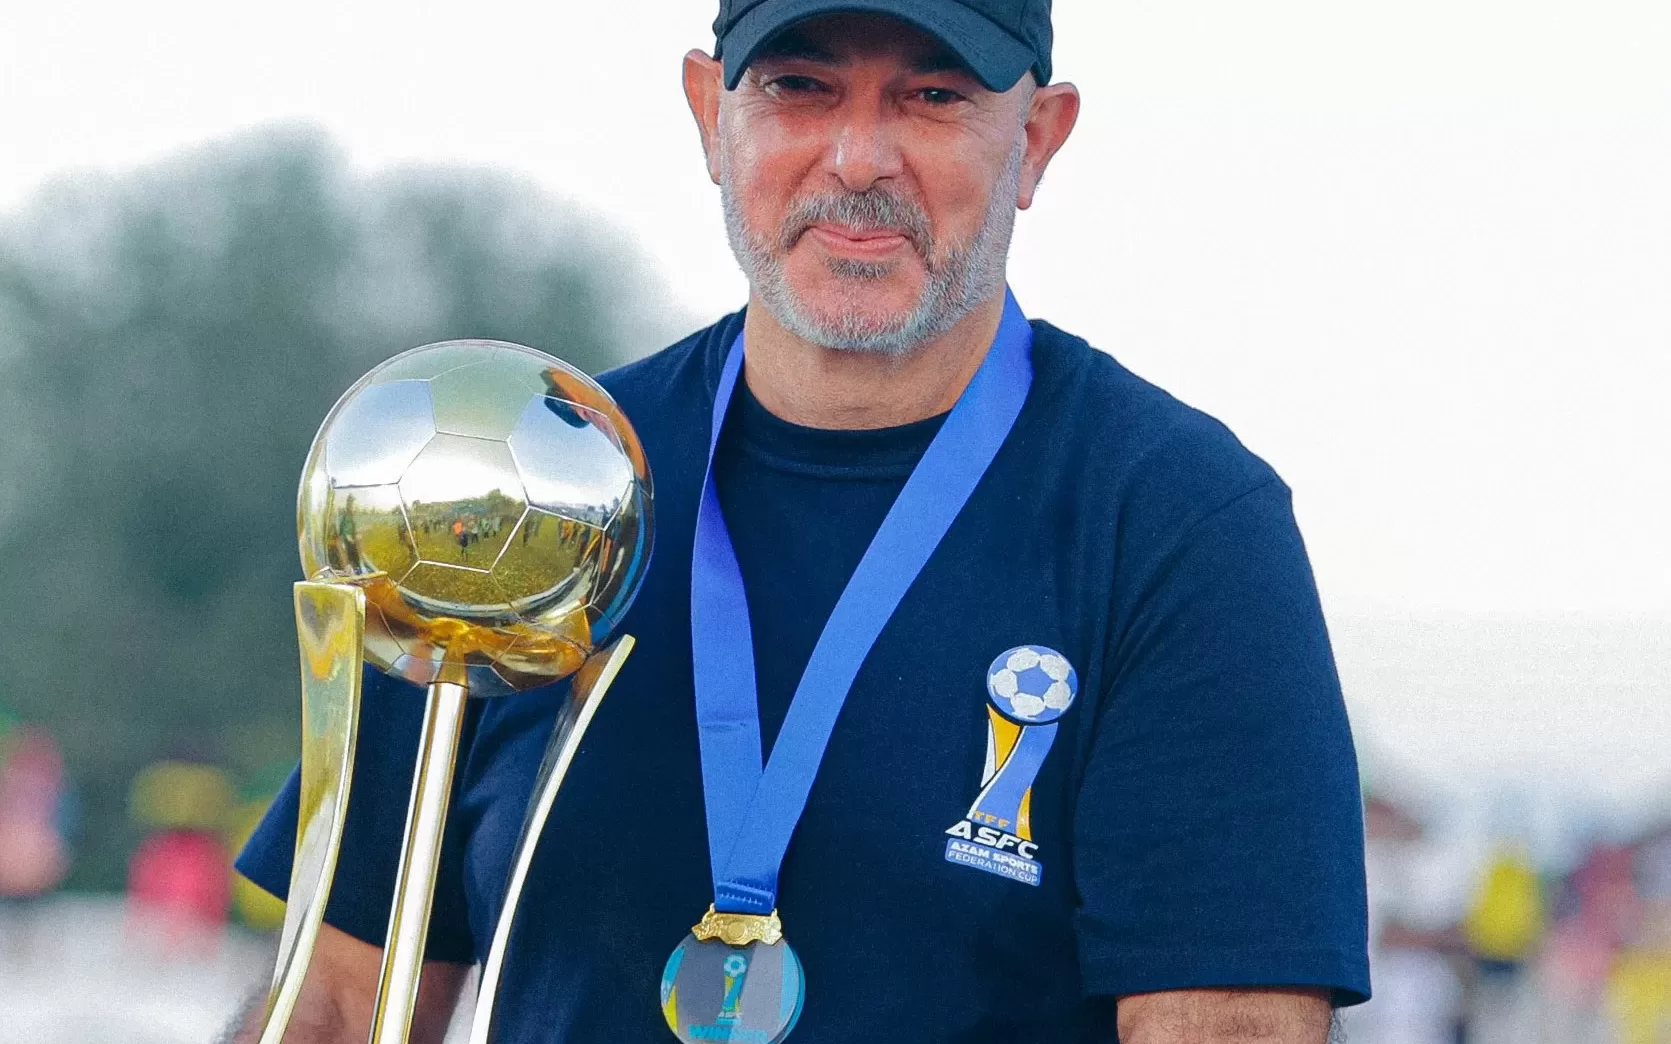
<point x="1418" y="255"/>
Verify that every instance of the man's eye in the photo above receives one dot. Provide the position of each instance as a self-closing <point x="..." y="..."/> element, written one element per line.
<point x="795" y="85"/>
<point x="938" y="96"/>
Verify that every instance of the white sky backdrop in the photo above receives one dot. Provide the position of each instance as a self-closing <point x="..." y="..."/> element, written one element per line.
<point x="1416" y="254"/>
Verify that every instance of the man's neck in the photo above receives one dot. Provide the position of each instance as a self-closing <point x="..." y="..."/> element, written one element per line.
<point x="819" y="387"/>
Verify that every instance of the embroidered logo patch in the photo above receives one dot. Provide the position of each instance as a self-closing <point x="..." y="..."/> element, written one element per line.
<point x="1028" y="688"/>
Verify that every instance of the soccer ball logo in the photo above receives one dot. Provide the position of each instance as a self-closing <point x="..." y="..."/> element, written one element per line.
<point x="1032" y="685"/>
<point x="494" y="504"/>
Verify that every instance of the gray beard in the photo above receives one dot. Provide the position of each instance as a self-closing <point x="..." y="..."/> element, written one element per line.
<point x="959" y="278"/>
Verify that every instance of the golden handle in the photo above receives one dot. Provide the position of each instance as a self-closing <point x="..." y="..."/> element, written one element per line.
<point x="330" y="628"/>
<point x="591" y="682"/>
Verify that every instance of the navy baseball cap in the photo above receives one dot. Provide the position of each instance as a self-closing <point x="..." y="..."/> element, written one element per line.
<point x="999" y="40"/>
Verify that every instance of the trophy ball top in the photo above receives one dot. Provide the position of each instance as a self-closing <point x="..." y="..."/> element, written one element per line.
<point x="493" y="502"/>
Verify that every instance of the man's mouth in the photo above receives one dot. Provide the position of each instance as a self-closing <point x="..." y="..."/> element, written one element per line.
<point x="858" y="242"/>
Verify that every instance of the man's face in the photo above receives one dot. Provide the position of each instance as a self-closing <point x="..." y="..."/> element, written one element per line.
<point x="870" y="182"/>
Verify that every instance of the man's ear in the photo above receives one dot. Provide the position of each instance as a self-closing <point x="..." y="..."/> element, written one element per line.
<point x="1050" y="119"/>
<point x="704" y="86"/>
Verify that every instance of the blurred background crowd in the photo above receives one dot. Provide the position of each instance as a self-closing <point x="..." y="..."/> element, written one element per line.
<point x="1416" y="255"/>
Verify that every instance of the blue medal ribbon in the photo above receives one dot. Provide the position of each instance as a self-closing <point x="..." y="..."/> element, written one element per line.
<point x="752" y="809"/>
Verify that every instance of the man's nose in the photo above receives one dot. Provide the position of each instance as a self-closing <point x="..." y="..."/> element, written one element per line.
<point x="866" y="147"/>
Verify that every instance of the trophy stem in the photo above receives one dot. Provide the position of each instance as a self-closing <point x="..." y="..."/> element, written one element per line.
<point x="590" y="684"/>
<point x="420" y="857"/>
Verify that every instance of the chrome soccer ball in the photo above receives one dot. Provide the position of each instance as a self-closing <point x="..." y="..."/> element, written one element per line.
<point x="493" y="502"/>
<point x="1032" y="685"/>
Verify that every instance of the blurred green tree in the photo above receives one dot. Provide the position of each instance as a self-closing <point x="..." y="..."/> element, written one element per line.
<point x="169" y="341"/>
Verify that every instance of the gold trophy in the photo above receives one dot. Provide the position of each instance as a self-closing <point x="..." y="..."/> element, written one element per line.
<point x="474" y="517"/>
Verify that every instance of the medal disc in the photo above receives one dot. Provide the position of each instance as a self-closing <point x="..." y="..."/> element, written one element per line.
<point x="752" y="994"/>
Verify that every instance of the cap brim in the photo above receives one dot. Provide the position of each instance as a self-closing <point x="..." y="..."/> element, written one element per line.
<point x="997" y="59"/>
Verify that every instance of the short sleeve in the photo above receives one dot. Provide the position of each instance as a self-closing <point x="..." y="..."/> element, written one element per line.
<point x="1219" y="832"/>
<point x="391" y="719"/>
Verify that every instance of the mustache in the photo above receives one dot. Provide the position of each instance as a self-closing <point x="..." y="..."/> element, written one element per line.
<point x="873" y="210"/>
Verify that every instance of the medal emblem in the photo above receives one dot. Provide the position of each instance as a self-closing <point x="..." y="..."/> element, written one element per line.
<point x="712" y="990"/>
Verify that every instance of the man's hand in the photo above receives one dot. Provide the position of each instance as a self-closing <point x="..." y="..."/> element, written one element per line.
<point x="1225" y="1017"/>
<point x="340" y="991"/>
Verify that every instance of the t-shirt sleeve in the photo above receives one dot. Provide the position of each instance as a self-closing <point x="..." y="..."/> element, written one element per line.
<point x="1219" y="832"/>
<point x="391" y="719"/>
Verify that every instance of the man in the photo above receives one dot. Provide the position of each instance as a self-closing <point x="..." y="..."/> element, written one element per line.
<point x="1091" y="777"/>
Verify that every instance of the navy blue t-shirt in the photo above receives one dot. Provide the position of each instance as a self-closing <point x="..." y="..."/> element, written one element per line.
<point x="1193" y="820"/>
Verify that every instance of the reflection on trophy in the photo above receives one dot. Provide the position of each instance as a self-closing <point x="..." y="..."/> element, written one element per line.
<point x="474" y="517"/>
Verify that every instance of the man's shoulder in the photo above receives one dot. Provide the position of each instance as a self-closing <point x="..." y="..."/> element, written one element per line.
<point x="674" y="371"/>
<point x="1134" y="439"/>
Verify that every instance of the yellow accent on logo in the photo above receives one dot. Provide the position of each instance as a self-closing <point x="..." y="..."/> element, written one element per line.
<point x="1004" y="735"/>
